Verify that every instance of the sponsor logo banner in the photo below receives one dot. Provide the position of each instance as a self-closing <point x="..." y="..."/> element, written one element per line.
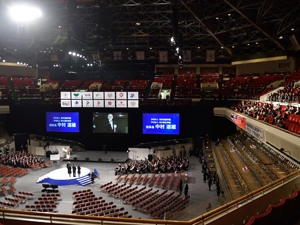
<point x="65" y="103"/>
<point x="133" y="103"/>
<point x="87" y="95"/>
<point x="98" y="95"/>
<point x="87" y="103"/>
<point x="65" y="95"/>
<point x="133" y="95"/>
<point x="121" y="104"/>
<point x="76" y="95"/>
<point x="99" y="103"/>
<point x="121" y="95"/>
<point x="76" y="103"/>
<point x="110" y="104"/>
<point x="109" y="95"/>
<point x="255" y="131"/>
<point x="238" y="120"/>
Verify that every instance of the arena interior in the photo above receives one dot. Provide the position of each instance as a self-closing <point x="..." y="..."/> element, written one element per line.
<point x="149" y="112"/>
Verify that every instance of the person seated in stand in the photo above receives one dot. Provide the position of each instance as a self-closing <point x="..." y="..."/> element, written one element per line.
<point x="118" y="169"/>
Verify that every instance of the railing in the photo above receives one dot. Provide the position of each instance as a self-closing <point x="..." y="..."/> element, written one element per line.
<point x="206" y="218"/>
<point x="58" y="140"/>
<point x="163" y="143"/>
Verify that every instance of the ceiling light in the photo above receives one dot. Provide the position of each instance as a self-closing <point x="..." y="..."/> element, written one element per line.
<point x="217" y="18"/>
<point x="137" y="24"/>
<point x="177" y="49"/>
<point x="248" y="44"/>
<point x="150" y="47"/>
<point x="80" y="56"/>
<point x="18" y="63"/>
<point x="24" y="13"/>
<point x="77" y="54"/>
<point x="280" y="37"/>
<point x="256" y="43"/>
<point x="292" y="29"/>
<point x="105" y="49"/>
<point x="59" y="26"/>
<point x="74" y="53"/>
<point x="229" y="14"/>
<point x="222" y="47"/>
<point x="3" y="60"/>
<point x="127" y="48"/>
<point x="70" y="53"/>
<point x="198" y="47"/>
<point x="232" y="46"/>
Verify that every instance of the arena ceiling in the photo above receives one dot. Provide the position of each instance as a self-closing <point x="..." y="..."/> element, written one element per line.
<point x="231" y="27"/>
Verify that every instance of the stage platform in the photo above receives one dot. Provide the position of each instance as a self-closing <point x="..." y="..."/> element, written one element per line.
<point x="61" y="177"/>
<point x="98" y="156"/>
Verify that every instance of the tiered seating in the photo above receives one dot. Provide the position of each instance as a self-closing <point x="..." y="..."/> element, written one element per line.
<point x="70" y="85"/>
<point x="166" y="81"/>
<point x="139" y="198"/>
<point x="105" y="185"/>
<point x="12" y="171"/>
<point x="157" y="180"/>
<point x="14" y="201"/>
<point x="292" y="77"/>
<point x="132" y="194"/>
<point x="26" y="194"/>
<point x="88" y="83"/>
<point x="119" y="84"/>
<point x="144" y="179"/>
<point x="138" y="179"/>
<point x="115" y="189"/>
<point x="137" y="85"/>
<point x="131" y="178"/>
<point x="8" y="205"/>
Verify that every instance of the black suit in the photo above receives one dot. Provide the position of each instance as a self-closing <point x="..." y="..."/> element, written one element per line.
<point x="108" y="128"/>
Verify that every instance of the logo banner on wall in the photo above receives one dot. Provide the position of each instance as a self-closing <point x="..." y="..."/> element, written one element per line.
<point x="87" y="95"/>
<point x="121" y="95"/>
<point x="110" y="104"/>
<point x="65" y="103"/>
<point x="187" y="55"/>
<point x="76" y="95"/>
<point x="163" y="56"/>
<point x="76" y="103"/>
<point x="210" y="55"/>
<point x="98" y="95"/>
<point x="109" y="95"/>
<point x="99" y="103"/>
<point x="133" y="95"/>
<point x="255" y="131"/>
<point x="121" y="104"/>
<point x="133" y="103"/>
<point x="239" y="120"/>
<point x="65" y="95"/>
<point x="88" y="103"/>
<point x="140" y="55"/>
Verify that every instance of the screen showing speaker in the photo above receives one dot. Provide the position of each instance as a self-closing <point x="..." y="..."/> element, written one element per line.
<point x="62" y="121"/>
<point x="110" y="122"/>
<point x="161" y="123"/>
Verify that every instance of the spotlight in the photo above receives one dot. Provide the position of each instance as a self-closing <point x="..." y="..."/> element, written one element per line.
<point x="74" y="53"/>
<point x="25" y="13"/>
<point x="70" y="53"/>
<point x="77" y="55"/>
<point x="177" y="50"/>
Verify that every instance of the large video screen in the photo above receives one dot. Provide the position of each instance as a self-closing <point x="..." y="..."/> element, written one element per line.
<point x="161" y="123"/>
<point x="110" y="122"/>
<point x="62" y="121"/>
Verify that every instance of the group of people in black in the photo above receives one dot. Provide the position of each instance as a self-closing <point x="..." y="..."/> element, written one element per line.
<point x="73" y="168"/>
<point x="211" y="178"/>
<point x="171" y="164"/>
<point x="21" y="159"/>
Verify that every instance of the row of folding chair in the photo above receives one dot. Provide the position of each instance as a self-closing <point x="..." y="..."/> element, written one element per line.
<point x="164" y="180"/>
<point x="140" y="195"/>
<point x="27" y="194"/>
<point x="103" y="186"/>
<point x="178" y="181"/>
<point x="42" y="210"/>
<point x="171" y="180"/>
<point x="45" y="202"/>
<point x="87" y="200"/>
<point x="141" y="203"/>
<point x="110" y="187"/>
<point x="133" y="194"/>
<point x="48" y="199"/>
<point x="114" y="188"/>
<point x="13" y="201"/>
<point x="85" y="197"/>
<point x="157" y="201"/>
<point x="142" y="200"/>
<point x="87" y="204"/>
<point x="151" y="179"/>
<point x="99" y="208"/>
<point x="161" y="207"/>
<point x="20" y="197"/>
<point x="7" y="205"/>
<point x="172" y="208"/>
<point x="81" y="192"/>
<point x="51" y="195"/>
<point x="119" y="191"/>
<point x="124" y="193"/>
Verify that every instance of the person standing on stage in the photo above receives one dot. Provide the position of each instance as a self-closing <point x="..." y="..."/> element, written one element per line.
<point x="78" y="170"/>
<point x="74" y="171"/>
<point x="68" y="164"/>
<point x="69" y="169"/>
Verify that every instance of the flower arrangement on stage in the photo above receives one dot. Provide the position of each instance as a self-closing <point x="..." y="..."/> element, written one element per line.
<point x="67" y="150"/>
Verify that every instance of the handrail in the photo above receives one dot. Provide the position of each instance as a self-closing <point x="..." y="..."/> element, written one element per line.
<point x="226" y="206"/>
